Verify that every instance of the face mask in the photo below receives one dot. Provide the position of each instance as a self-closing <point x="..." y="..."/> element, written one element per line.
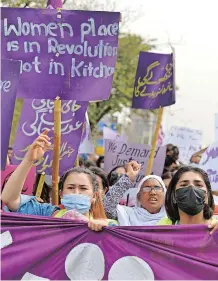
<point x="102" y="165"/>
<point x="190" y="200"/>
<point x="81" y="203"/>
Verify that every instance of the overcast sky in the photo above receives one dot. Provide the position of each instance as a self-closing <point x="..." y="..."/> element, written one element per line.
<point x="192" y="28"/>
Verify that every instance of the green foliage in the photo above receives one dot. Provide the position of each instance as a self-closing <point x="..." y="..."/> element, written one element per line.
<point x="122" y="90"/>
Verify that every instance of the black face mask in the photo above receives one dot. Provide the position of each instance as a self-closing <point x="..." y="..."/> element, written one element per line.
<point x="190" y="200"/>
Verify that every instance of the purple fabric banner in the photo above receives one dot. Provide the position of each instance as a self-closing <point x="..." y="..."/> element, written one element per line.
<point x="154" y="82"/>
<point x="70" y="54"/>
<point x="36" y="116"/>
<point x="57" y="249"/>
<point x="10" y="72"/>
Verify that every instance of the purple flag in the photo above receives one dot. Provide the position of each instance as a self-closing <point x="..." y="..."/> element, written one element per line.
<point x="70" y="54"/>
<point x="10" y="72"/>
<point x="58" y="249"/>
<point x="38" y="115"/>
<point x="154" y="82"/>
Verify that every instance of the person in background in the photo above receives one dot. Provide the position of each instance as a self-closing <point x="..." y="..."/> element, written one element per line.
<point x="169" y="150"/>
<point x="88" y="163"/>
<point x="195" y="159"/>
<point x="102" y="180"/>
<point x="115" y="174"/>
<point x="100" y="162"/>
<point x="170" y="164"/>
<point x="150" y="201"/>
<point x="10" y="154"/>
<point x="189" y="199"/>
<point x="80" y="199"/>
<point x="167" y="177"/>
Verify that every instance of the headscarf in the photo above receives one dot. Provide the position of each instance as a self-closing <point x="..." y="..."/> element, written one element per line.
<point x="138" y="216"/>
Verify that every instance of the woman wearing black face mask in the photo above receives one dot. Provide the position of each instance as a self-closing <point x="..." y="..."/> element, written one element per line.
<point x="189" y="199"/>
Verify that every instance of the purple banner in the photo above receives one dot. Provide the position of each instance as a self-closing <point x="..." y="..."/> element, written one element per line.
<point x="70" y="54"/>
<point x="10" y="72"/>
<point x="154" y="82"/>
<point x="36" y="116"/>
<point x="58" y="249"/>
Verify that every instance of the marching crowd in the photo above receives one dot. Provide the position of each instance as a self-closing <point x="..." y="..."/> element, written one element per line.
<point x="182" y="196"/>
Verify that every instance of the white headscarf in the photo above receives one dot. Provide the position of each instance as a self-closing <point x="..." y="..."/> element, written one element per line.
<point x="138" y="216"/>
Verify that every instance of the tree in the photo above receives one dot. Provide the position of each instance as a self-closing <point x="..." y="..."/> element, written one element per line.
<point x="122" y="89"/>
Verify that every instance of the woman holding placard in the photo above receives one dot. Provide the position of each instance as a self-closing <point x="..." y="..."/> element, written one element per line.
<point x="80" y="199"/>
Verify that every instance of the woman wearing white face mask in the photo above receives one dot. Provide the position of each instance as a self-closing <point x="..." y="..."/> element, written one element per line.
<point x="80" y="199"/>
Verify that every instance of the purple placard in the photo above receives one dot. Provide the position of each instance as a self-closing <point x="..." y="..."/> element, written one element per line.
<point x="154" y="82"/>
<point x="119" y="153"/>
<point x="36" y="116"/>
<point x="59" y="249"/>
<point x="70" y="54"/>
<point x="10" y="72"/>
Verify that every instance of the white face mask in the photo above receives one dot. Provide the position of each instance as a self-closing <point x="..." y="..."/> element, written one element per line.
<point x="102" y="165"/>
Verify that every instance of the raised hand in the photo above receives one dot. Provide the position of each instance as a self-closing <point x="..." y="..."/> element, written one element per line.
<point x="133" y="169"/>
<point x="38" y="147"/>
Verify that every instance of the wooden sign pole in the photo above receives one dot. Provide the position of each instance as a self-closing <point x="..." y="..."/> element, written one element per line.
<point x="40" y="185"/>
<point x="154" y="142"/>
<point x="56" y="151"/>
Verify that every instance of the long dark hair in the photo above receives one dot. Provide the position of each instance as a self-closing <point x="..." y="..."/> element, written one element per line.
<point x="170" y="201"/>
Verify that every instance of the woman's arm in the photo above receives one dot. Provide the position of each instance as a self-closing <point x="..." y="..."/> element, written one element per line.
<point x="12" y="191"/>
<point x="116" y="192"/>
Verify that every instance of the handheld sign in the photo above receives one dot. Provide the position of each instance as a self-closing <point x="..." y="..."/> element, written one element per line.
<point x="86" y="145"/>
<point x="28" y="184"/>
<point x="216" y="127"/>
<point x="119" y="153"/>
<point x="209" y="163"/>
<point x="70" y="54"/>
<point x="188" y="140"/>
<point x="38" y="115"/>
<point x="154" y="83"/>
<point x="10" y="72"/>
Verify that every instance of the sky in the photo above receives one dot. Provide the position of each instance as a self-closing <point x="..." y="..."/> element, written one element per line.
<point x="191" y="27"/>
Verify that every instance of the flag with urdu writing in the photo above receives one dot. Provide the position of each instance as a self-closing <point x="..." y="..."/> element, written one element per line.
<point x="154" y="83"/>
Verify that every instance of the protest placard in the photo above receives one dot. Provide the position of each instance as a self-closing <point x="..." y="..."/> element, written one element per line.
<point x="86" y="145"/>
<point x="70" y="54"/>
<point x="28" y="184"/>
<point x="188" y="141"/>
<point x="120" y="153"/>
<point x="36" y="116"/>
<point x="10" y="72"/>
<point x="209" y="163"/>
<point x="113" y="135"/>
<point x="154" y="82"/>
<point x="216" y="127"/>
<point x="184" y="252"/>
